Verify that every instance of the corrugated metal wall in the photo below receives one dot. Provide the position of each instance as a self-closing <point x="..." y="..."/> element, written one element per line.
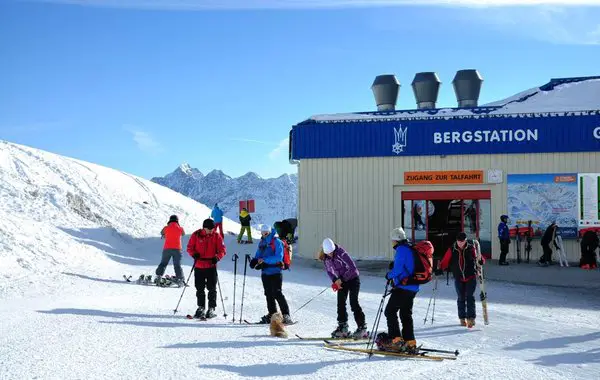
<point x="361" y="196"/>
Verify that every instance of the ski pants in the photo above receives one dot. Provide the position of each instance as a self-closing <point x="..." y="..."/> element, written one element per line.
<point x="241" y="235"/>
<point x="466" y="299"/>
<point x="206" y="277"/>
<point x="219" y="227"/>
<point x="547" y="256"/>
<point x="400" y="300"/>
<point x="504" y="243"/>
<point x="351" y="288"/>
<point x="167" y="254"/>
<point x="272" y="285"/>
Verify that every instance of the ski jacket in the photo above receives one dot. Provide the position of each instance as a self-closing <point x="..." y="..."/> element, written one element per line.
<point x="217" y="215"/>
<point x="404" y="266"/>
<point x="548" y="235"/>
<point x="589" y="241"/>
<point x="172" y="233"/>
<point x="462" y="262"/>
<point x="272" y="259"/>
<point x="207" y="246"/>
<point x="245" y="218"/>
<point x="503" y="233"/>
<point x="340" y="265"/>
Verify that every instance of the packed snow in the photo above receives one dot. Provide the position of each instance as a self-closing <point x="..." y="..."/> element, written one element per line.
<point x="67" y="313"/>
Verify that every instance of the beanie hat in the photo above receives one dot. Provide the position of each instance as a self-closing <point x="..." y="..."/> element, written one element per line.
<point x="208" y="223"/>
<point x="398" y="234"/>
<point x="461" y="236"/>
<point x="328" y="245"/>
<point x="265" y="228"/>
<point x="173" y="218"/>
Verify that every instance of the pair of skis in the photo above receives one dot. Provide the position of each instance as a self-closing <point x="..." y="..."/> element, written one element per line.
<point x="481" y="280"/>
<point x="560" y="251"/>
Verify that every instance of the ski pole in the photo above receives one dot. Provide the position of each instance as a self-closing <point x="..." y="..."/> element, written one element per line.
<point x="371" y="341"/>
<point x="184" y="286"/>
<point x="310" y="300"/>
<point x="221" y="294"/>
<point x="246" y="260"/>
<point x="429" y="304"/>
<point x="434" y="297"/>
<point x="235" y="260"/>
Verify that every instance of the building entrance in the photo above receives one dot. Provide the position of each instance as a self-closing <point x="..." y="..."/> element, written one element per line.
<point x="438" y="216"/>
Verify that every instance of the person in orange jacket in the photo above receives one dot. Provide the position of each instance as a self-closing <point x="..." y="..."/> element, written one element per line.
<point x="461" y="258"/>
<point x="207" y="248"/>
<point x="172" y="234"/>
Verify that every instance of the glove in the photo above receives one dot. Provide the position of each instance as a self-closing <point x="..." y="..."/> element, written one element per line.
<point x="438" y="272"/>
<point x="480" y="261"/>
<point x="215" y="260"/>
<point x="279" y="264"/>
<point x="335" y="287"/>
<point x="196" y="256"/>
<point x="391" y="266"/>
<point x="253" y="263"/>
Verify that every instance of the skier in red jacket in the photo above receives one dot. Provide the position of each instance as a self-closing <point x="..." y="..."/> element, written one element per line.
<point x="207" y="248"/>
<point x="172" y="234"/>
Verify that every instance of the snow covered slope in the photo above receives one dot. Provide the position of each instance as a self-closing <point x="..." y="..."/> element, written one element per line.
<point x="275" y="198"/>
<point x="59" y="214"/>
<point x="69" y="230"/>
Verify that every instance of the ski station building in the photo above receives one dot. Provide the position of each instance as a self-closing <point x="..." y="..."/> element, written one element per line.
<point x="534" y="157"/>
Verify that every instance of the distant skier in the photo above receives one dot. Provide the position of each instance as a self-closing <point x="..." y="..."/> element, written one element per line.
<point x="172" y="234"/>
<point x="217" y="216"/>
<point x="207" y="249"/>
<point x="504" y="237"/>
<point x="461" y="259"/>
<point x="344" y="275"/>
<point x="245" y="219"/>
<point x="401" y="299"/>
<point x="269" y="259"/>
<point x="589" y="244"/>
<point x="547" y="239"/>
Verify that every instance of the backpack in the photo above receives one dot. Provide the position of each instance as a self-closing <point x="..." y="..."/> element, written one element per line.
<point x="287" y="252"/>
<point x="423" y="259"/>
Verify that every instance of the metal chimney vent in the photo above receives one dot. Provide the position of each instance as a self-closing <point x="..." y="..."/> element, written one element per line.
<point x="426" y="87"/>
<point x="385" y="89"/>
<point x="467" y="86"/>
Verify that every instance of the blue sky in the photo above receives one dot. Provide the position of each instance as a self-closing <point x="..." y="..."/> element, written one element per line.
<point x="142" y="86"/>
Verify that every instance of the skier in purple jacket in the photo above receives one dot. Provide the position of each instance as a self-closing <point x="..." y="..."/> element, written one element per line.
<point x="343" y="273"/>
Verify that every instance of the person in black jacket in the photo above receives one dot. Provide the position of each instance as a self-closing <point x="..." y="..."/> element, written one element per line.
<point x="245" y="219"/>
<point x="547" y="239"/>
<point x="589" y="244"/>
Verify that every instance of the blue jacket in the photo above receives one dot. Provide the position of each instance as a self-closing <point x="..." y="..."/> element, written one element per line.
<point x="217" y="215"/>
<point x="270" y="257"/>
<point x="503" y="231"/>
<point x="404" y="266"/>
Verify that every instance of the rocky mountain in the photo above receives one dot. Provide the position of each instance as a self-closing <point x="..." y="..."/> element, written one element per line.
<point x="274" y="198"/>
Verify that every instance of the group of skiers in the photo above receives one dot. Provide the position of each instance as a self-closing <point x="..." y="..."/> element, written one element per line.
<point x="589" y="244"/>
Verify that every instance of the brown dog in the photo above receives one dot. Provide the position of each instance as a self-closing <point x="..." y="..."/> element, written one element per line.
<point x="277" y="328"/>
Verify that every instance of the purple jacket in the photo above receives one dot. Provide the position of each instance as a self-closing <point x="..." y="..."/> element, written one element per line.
<point x="340" y="265"/>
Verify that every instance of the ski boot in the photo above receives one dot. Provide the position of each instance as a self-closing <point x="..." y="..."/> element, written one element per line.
<point x="361" y="332"/>
<point x="341" y="331"/>
<point x="200" y="313"/>
<point x="265" y="320"/>
<point x="287" y="320"/>
<point x="470" y="322"/>
<point x="140" y="280"/>
<point x="158" y="280"/>
<point x="211" y="313"/>
<point x="148" y="279"/>
<point x="463" y="322"/>
<point x="382" y="340"/>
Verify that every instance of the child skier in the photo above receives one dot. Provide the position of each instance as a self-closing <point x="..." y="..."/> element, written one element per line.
<point x="207" y="249"/>
<point x="461" y="258"/>
<point x="401" y="299"/>
<point x="172" y="234"/>
<point x="269" y="259"/>
<point x="344" y="275"/>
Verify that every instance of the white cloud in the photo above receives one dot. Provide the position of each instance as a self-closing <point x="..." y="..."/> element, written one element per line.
<point x="310" y="4"/>
<point x="281" y="147"/>
<point x="144" y="141"/>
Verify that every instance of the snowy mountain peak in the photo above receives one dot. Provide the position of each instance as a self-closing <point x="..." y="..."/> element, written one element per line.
<point x="217" y="174"/>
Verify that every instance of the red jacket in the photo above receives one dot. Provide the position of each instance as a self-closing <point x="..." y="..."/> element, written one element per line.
<point x="207" y="247"/>
<point x="172" y="233"/>
<point x="462" y="262"/>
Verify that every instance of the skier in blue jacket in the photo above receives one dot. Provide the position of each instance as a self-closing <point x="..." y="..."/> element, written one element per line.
<point x="269" y="259"/>
<point x="401" y="299"/>
<point x="217" y="216"/>
<point x="504" y="237"/>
